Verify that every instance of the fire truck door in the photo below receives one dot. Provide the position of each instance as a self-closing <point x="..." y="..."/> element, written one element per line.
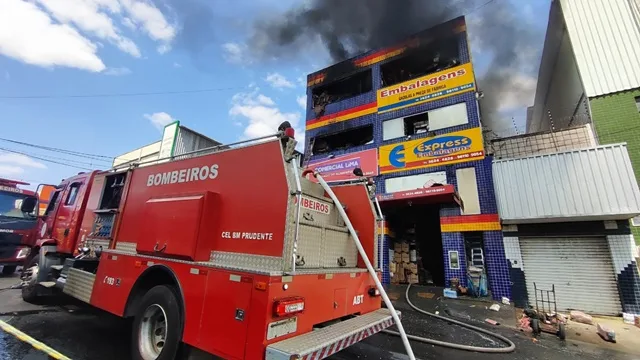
<point x="225" y="315"/>
<point x="65" y="226"/>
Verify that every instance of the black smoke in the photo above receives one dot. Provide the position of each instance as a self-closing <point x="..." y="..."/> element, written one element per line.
<point x="346" y="28"/>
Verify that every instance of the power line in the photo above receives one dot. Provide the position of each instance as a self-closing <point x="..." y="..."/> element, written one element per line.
<point x="96" y="157"/>
<point x="44" y="159"/>
<point x="112" y="95"/>
<point x="85" y="163"/>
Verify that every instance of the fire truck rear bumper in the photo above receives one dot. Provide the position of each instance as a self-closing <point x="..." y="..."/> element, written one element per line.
<point x="327" y="341"/>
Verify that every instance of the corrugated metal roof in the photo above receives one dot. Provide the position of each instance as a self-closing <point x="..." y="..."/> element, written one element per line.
<point x="586" y="184"/>
<point x="605" y="35"/>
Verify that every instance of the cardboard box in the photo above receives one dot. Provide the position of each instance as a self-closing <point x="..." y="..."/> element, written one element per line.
<point x="397" y="247"/>
<point x="393" y="267"/>
<point x="400" y="273"/>
<point x="405" y="247"/>
<point x="412" y="279"/>
<point x="397" y="257"/>
<point x="405" y="258"/>
<point x="413" y="268"/>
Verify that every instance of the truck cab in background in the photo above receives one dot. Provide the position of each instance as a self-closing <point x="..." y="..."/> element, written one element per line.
<point x="57" y="231"/>
<point x="18" y="222"/>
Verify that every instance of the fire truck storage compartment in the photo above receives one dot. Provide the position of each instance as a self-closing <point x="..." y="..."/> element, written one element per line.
<point x="179" y="226"/>
<point x="323" y="240"/>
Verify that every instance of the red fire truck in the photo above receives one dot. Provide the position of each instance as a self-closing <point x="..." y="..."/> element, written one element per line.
<point x="230" y="250"/>
<point x="18" y="222"/>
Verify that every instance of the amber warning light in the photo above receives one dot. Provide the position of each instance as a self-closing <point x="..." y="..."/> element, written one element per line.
<point x="288" y="306"/>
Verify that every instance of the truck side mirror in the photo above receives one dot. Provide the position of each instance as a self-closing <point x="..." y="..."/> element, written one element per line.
<point x="28" y="205"/>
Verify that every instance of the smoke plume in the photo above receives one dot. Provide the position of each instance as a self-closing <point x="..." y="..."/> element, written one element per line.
<point x="346" y="28"/>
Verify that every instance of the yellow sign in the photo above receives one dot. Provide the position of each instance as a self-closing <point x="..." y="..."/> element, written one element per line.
<point x="452" y="148"/>
<point x="457" y="80"/>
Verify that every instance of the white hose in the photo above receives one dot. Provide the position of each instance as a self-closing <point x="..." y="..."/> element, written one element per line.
<point x="508" y="349"/>
<point x="372" y="272"/>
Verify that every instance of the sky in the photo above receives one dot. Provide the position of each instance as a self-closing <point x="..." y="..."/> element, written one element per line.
<point x="77" y="75"/>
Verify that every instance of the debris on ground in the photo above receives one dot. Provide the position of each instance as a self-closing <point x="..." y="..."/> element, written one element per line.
<point x="606" y="333"/>
<point x="505" y="300"/>
<point x="492" y="322"/>
<point x="450" y="293"/>
<point x="580" y="317"/>
<point x="525" y="324"/>
<point x="426" y="295"/>
<point x="628" y="318"/>
<point x="495" y="307"/>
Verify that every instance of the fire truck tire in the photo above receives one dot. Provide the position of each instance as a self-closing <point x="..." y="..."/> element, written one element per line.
<point x="8" y="270"/>
<point x="158" y="325"/>
<point x="29" y="290"/>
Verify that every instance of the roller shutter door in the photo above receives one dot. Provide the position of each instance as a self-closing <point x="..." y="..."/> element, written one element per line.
<point x="580" y="268"/>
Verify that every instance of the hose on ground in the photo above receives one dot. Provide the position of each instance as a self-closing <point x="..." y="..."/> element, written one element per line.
<point x="508" y="349"/>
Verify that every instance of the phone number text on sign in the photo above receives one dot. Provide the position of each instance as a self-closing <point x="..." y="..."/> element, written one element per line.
<point x="247" y="235"/>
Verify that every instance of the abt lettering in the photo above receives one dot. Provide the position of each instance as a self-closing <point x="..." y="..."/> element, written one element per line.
<point x="358" y="299"/>
<point x="183" y="175"/>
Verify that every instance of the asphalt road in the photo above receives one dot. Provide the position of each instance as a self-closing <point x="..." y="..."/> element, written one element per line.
<point x="83" y="334"/>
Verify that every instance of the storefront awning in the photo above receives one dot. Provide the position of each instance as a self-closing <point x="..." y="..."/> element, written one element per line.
<point x="431" y="195"/>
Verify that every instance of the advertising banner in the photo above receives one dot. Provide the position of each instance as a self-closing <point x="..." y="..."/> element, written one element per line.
<point x="411" y="194"/>
<point x="453" y="81"/>
<point x="340" y="168"/>
<point x="451" y="148"/>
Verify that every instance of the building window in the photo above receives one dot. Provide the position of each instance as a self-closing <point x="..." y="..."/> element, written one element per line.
<point x="454" y="260"/>
<point x="638" y="103"/>
<point x="412" y="182"/>
<point x="468" y="190"/>
<point x="439" y="56"/>
<point x="342" y="89"/>
<point x="343" y="140"/>
<point x="437" y="119"/>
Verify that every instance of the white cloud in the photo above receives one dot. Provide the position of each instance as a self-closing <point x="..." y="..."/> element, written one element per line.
<point x="144" y="14"/>
<point x="261" y="116"/>
<point x="12" y="164"/>
<point x="50" y="33"/>
<point x="118" y="71"/>
<point x="278" y="81"/>
<point x="28" y="34"/>
<point x="10" y="170"/>
<point x="160" y="119"/>
<point x="302" y="101"/>
<point x="88" y="17"/>
<point x="235" y="53"/>
<point x="177" y="65"/>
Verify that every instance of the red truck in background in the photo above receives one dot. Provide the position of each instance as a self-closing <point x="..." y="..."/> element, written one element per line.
<point x="230" y="250"/>
<point x="18" y="222"/>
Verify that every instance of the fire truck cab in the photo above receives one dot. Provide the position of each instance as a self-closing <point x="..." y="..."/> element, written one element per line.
<point x="18" y="221"/>
<point x="229" y="250"/>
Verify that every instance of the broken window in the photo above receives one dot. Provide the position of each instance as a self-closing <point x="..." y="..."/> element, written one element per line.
<point x="439" y="56"/>
<point x="410" y="125"/>
<point x="348" y="87"/>
<point x="343" y="140"/>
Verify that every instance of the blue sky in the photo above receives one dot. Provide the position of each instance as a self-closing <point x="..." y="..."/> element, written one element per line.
<point x="71" y="47"/>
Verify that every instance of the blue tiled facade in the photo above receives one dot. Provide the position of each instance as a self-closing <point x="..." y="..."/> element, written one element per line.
<point x="494" y="251"/>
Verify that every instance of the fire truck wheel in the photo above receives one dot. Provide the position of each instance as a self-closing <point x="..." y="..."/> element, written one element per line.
<point x="30" y="280"/>
<point x="8" y="270"/>
<point x="157" y="328"/>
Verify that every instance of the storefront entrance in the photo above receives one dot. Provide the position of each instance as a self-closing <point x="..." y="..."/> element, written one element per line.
<point x="416" y="243"/>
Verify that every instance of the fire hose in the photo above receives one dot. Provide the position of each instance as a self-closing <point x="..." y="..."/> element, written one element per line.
<point x="493" y="350"/>
<point x="403" y="335"/>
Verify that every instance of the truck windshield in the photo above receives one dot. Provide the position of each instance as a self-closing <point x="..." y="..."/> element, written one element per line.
<point x="10" y="205"/>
